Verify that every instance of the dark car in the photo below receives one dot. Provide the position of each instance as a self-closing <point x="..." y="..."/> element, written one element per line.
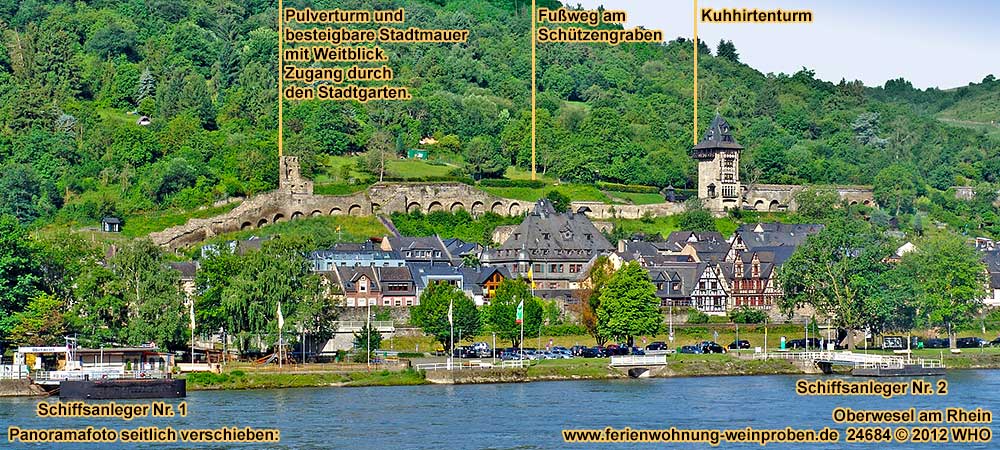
<point x="742" y="343"/>
<point x="711" y="347"/>
<point x="802" y="343"/>
<point x="638" y="351"/>
<point x="588" y="352"/>
<point x="995" y="342"/>
<point x="935" y="343"/>
<point x="660" y="345"/>
<point x="465" y="352"/>
<point x="970" y="342"/>
<point x="576" y="350"/>
<point x="691" y="349"/>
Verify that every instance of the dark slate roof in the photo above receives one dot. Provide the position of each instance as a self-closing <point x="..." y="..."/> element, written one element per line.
<point x="458" y="247"/>
<point x="718" y="135"/>
<point x="111" y="220"/>
<point x="545" y="234"/>
<point x="401" y="243"/>
<point x="188" y="269"/>
<point x="678" y="239"/>
<point x="349" y="275"/>
<point x="995" y="280"/>
<point x="776" y="234"/>
<point x="474" y="277"/>
<point x="661" y="260"/>
<point x="394" y="274"/>
<point x="421" y="271"/>
<point x="632" y="249"/>
<point x="685" y="272"/>
<point x="992" y="260"/>
<point x="776" y="255"/>
<point x="711" y="250"/>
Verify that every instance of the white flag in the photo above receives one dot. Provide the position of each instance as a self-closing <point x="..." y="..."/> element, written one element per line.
<point x="451" y="319"/>
<point x="192" y="314"/>
<point x="281" y="319"/>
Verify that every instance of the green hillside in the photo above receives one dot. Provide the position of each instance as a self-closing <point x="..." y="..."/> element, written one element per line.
<point x="75" y="78"/>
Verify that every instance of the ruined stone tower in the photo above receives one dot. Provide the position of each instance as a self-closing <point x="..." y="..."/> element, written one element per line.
<point x="289" y="178"/>
<point x="718" y="156"/>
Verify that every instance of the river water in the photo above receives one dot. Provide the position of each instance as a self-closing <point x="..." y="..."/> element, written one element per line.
<point x="520" y="416"/>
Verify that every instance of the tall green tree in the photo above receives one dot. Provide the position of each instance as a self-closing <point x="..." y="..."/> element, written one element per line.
<point x="366" y="341"/>
<point x="501" y="314"/>
<point x="949" y="281"/>
<point x="894" y="188"/>
<point x="41" y="322"/>
<point x="590" y="297"/>
<point x="837" y="271"/>
<point x="20" y="271"/>
<point x="431" y="315"/>
<point x="629" y="306"/>
<point x="151" y="292"/>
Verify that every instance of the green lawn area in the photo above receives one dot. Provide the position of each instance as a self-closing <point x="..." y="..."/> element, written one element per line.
<point x="321" y="230"/>
<point x="636" y="198"/>
<point x="139" y="225"/>
<point x="517" y="173"/>
<point x="411" y="168"/>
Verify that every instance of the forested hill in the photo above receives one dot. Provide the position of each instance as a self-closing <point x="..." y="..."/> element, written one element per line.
<point x="76" y="76"/>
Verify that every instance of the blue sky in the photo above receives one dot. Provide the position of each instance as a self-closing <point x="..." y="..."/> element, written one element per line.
<point x="941" y="44"/>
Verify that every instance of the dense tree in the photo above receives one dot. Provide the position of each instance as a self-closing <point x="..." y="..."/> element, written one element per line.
<point x="149" y="289"/>
<point x="590" y="297"/>
<point x="484" y="158"/>
<point x="894" y="188"/>
<point x="816" y="203"/>
<point x="41" y="322"/>
<point x="726" y="49"/>
<point x="837" y="271"/>
<point x="696" y="220"/>
<point x="431" y="315"/>
<point x="629" y="306"/>
<point x="560" y="202"/>
<point x="366" y="341"/>
<point x="380" y="152"/>
<point x="20" y="271"/>
<point x="501" y="314"/>
<point x="949" y="281"/>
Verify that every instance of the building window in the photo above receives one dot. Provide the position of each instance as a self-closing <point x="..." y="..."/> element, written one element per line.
<point x="409" y="302"/>
<point x="385" y="302"/>
<point x="575" y="268"/>
<point x="398" y="302"/>
<point x="539" y="268"/>
<point x="398" y="287"/>
<point x="676" y="286"/>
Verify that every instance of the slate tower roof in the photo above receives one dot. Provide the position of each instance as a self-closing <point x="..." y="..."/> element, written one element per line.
<point x="719" y="135"/>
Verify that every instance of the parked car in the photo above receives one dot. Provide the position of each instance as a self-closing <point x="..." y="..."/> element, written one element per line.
<point x="801" y="343"/>
<point x="742" y="343"/>
<point x="602" y="352"/>
<point x="691" y="349"/>
<point x="711" y="347"/>
<point x="658" y="345"/>
<point x="577" y="350"/>
<point x="588" y="352"/>
<point x="935" y="343"/>
<point x="995" y="342"/>
<point x="638" y="351"/>
<point x="970" y="342"/>
<point x="464" y="352"/>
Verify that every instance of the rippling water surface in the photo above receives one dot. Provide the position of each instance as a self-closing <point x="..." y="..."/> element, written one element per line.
<point x="522" y="416"/>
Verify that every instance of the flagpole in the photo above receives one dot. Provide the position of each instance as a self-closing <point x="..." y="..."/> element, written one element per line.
<point x="192" y="331"/>
<point x="451" y="334"/>
<point x="368" y="334"/>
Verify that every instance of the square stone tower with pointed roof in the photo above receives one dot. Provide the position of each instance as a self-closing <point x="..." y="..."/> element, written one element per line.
<point x="718" y="156"/>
